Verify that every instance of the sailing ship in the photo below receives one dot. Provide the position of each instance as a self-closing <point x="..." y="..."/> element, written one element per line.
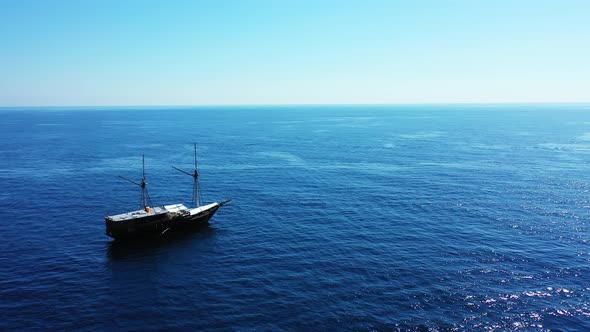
<point x="155" y="222"/>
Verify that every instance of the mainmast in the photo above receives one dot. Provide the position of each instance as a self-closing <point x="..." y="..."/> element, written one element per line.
<point x="197" y="199"/>
<point x="146" y="202"/>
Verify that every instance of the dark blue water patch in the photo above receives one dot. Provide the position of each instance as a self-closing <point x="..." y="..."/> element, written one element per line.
<point x="419" y="218"/>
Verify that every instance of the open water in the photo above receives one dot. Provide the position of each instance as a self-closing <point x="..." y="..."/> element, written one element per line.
<point x="411" y="218"/>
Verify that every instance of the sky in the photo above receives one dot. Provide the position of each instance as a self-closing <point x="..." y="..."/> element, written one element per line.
<point x="224" y="52"/>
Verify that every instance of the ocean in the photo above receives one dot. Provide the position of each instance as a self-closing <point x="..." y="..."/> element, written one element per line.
<point x="404" y="218"/>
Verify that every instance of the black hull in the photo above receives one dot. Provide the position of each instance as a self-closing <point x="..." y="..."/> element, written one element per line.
<point x="156" y="227"/>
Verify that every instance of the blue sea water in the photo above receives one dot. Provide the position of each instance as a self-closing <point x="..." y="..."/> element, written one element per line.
<point x="418" y="218"/>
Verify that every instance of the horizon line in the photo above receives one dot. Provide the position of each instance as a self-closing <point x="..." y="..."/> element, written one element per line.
<point x="301" y="104"/>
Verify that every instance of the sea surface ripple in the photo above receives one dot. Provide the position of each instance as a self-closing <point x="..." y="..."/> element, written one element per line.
<point x="410" y="218"/>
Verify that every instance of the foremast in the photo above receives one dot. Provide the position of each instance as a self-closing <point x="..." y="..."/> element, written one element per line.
<point x="197" y="200"/>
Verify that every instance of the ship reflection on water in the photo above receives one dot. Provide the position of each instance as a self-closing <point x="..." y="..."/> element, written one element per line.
<point x="118" y="250"/>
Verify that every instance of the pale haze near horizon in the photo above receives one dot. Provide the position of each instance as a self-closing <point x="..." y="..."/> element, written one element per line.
<point x="74" y="53"/>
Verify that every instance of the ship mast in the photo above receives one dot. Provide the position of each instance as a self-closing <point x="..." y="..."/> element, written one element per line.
<point x="197" y="199"/>
<point x="145" y="197"/>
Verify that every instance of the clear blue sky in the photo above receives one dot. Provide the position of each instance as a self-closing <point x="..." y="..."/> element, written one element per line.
<point x="293" y="52"/>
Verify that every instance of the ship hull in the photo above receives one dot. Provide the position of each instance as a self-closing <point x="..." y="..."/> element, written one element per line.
<point x="157" y="226"/>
